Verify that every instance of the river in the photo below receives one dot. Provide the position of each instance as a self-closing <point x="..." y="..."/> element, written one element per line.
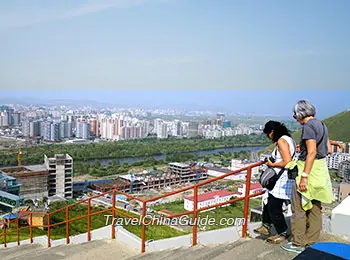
<point x="131" y="160"/>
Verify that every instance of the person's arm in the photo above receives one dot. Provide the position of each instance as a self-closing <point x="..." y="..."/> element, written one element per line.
<point x="283" y="148"/>
<point x="334" y="143"/>
<point x="311" y="154"/>
<point x="329" y="144"/>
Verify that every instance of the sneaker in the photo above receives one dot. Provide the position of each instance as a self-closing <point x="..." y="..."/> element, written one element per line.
<point x="292" y="248"/>
<point x="277" y="239"/>
<point x="262" y="230"/>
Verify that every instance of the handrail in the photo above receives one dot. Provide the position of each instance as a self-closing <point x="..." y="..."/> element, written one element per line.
<point x="115" y="210"/>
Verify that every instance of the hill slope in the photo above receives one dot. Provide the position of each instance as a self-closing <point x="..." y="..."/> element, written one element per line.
<point x="338" y="127"/>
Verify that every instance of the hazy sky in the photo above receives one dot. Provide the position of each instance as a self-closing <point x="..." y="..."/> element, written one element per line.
<point x="187" y="44"/>
<point x="258" y="102"/>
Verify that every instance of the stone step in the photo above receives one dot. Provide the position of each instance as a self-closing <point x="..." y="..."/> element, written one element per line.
<point x="98" y="249"/>
<point x="244" y="249"/>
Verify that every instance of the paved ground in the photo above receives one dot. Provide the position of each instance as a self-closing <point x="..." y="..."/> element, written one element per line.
<point x="99" y="250"/>
<point x="248" y="249"/>
<point x="244" y="249"/>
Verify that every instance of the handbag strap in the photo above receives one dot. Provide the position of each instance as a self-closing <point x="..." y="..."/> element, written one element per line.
<point x="283" y="169"/>
<point x="324" y="133"/>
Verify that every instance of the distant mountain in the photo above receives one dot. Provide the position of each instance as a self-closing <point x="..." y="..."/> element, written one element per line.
<point x="51" y="102"/>
<point x="338" y="127"/>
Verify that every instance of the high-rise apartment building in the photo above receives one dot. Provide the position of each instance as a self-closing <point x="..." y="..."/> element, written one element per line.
<point x="55" y="130"/>
<point x="31" y="128"/>
<point x="34" y="128"/>
<point x="335" y="159"/>
<point x="162" y="130"/>
<point x="4" y="119"/>
<point x="83" y="130"/>
<point x="6" y="116"/>
<point x="94" y="127"/>
<point x="62" y="128"/>
<point x="145" y="129"/>
<point x="16" y="119"/>
<point x="60" y="179"/>
<point x="110" y="128"/>
<point x="192" y="130"/>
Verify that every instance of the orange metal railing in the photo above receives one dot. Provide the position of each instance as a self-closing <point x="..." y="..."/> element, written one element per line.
<point x="113" y="209"/>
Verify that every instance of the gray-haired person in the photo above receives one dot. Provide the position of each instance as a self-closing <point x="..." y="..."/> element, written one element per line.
<point x="312" y="184"/>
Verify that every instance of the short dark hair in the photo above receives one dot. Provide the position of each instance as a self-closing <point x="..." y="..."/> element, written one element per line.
<point x="279" y="129"/>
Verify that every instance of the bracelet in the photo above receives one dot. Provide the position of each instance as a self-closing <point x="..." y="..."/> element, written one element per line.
<point x="304" y="174"/>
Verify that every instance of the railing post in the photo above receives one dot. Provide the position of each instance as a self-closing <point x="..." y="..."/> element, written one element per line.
<point x="31" y="227"/>
<point x="17" y="222"/>
<point x="89" y="220"/>
<point x="67" y="225"/>
<point x="246" y="202"/>
<point x="195" y="205"/>
<point x="48" y="231"/>
<point x="143" y="231"/>
<point x="5" y="229"/>
<point x="113" y="214"/>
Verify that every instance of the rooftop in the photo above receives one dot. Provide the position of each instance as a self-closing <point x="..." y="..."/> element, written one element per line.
<point x="9" y="195"/>
<point x="36" y="167"/>
<point x="211" y="195"/>
<point x="218" y="169"/>
<point x="179" y="164"/>
<point x="253" y="186"/>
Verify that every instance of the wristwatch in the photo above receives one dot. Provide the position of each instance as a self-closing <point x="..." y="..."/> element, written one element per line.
<point x="304" y="174"/>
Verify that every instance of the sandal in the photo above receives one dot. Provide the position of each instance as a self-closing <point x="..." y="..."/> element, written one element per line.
<point x="276" y="239"/>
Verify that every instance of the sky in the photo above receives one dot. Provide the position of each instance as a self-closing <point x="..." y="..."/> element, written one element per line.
<point x="258" y="102"/>
<point x="239" y="55"/>
<point x="174" y="44"/>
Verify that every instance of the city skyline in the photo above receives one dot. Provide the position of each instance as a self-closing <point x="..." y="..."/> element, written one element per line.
<point x="268" y="102"/>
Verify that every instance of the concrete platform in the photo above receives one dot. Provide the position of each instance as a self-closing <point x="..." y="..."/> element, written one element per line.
<point x="99" y="250"/>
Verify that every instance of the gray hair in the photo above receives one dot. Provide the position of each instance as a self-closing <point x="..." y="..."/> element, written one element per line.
<point x="303" y="109"/>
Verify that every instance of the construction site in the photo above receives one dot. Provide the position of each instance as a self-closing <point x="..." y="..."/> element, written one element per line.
<point x="52" y="179"/>
<point x="33" y="180"/>
<point x="177" y="173"/>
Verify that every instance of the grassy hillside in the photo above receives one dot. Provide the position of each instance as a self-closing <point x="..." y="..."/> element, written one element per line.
<point x="338" y="128"/>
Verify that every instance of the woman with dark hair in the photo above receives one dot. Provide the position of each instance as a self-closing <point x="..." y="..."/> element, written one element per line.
<point x="312" y="181"/>
<point x="274" y="199"/>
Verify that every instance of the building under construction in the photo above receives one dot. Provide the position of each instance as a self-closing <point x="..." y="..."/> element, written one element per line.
<point x="53" y="178"/>
<point x="177" y="173"/>
<point x="33" y="180"/>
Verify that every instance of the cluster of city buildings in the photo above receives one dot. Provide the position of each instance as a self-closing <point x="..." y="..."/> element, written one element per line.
<point x="340" y="160"/>
<point x="8" y="117"/>
<point x="42" y="124"/>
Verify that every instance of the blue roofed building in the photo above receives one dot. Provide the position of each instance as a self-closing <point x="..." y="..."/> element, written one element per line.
<point x="9" y="193"/>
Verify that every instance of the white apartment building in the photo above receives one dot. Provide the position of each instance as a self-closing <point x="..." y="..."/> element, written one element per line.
<point x="162" y="130"/>
<point x="254" y="188"/>
<point x="60" y="179"/>
<point x="239" y="164"/>
<point x="83" y="130"/>
<point x="208" y="199"/>
<point x="217" y="172"/>
<point x="334" y="160"/>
